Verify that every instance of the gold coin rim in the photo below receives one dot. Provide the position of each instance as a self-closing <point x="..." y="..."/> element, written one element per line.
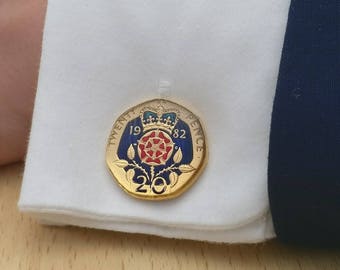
<point x="111" y="151"/>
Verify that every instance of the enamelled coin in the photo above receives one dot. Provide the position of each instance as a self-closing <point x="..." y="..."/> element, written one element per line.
<point x="156" y="150"/>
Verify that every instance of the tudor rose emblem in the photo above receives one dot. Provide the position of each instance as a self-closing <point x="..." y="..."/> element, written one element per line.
<point x="156" y="150"/>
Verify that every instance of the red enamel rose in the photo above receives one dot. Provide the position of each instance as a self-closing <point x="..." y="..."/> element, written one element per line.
<point x="155" y="147"/>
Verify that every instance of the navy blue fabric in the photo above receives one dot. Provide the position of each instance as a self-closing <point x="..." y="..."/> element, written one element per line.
<point x="304" y="155"/>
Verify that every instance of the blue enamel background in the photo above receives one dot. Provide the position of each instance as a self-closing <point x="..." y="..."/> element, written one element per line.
<point x="184" y="144"/>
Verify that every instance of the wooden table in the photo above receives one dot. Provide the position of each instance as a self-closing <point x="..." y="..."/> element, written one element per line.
<point x="24" y="244"/>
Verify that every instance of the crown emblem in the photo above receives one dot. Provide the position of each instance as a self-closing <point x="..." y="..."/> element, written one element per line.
<point x="159" y="118"/>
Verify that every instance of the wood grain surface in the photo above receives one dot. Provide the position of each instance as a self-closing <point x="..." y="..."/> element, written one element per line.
<point x="24" y="244"/>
